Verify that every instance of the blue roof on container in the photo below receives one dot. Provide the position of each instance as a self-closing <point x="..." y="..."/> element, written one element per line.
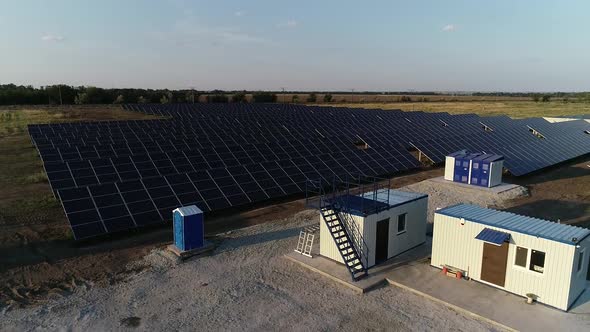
<point x="522" y="224"/>
<point x="458" y="153"/>
<point x="489" y="157"/>
<point x="189" y="210"/>
<point x="476" y="156"/>
<point x="396" y="197"/>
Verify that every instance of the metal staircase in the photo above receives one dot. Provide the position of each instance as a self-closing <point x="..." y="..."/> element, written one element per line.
<point x="333" y="200"/>
<point x="344" y="242"/>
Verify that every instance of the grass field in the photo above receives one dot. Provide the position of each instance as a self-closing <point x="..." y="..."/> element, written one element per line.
<point x="513" y="108"/>
<point x="25" y="197"/>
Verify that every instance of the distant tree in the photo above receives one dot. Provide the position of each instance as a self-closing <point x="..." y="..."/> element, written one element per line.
<point x="164" y="100"/>
<point x="217" y="98"/>
<point x="239" y="97"/>
<point x="191" y="97"/>
<point x="405" y="99"/>
<point x="536" y="98"/>
<point x="327" y="98"/>
<point x="546" y="98"/>
<point x="81" y="98"/>
<point x="264" y="97"/>
<point x="142" y="100"/>
<point x="120" y="100"/>
<point x="295" y="99"/>
<point x="312" y="98"/>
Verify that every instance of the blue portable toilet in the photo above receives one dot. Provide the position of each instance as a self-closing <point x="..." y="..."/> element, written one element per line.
<point x="189" y="231"/>
<point x="486" y="170"/>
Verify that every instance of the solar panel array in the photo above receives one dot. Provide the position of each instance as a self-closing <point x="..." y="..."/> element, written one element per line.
<point x="116" y="175"/>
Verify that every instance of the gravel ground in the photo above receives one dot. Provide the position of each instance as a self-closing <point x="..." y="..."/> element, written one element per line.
<point x="245" y="284"/>
<point x="441" y="195"/>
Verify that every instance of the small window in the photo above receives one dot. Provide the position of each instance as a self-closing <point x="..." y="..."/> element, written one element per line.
<point x="457" y="162"/>
<point x="485" y="167"/>
<point x="580" y="260"/>
<point x="475" y="165"/>
<point x="464" y="178"/>
<point x="401" y="223"/>
<point x="537" y="261"/>
<point x="473" y="180"/>
<point x="465" y="164"/>
<point x="521" y="255"/>
<point x="484" y="182"/>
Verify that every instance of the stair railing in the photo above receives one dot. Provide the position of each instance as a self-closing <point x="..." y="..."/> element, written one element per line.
<point x="356" y="237"/>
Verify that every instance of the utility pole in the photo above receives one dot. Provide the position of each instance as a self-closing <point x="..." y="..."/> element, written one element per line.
<point x="283" y="96"/>
<point x="352" y="96"/>
<point x="60" y="100"/>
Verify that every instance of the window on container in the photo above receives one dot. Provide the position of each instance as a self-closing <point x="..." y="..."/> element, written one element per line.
<point x="401" y="223"/>
<point x="475" y="165"/>
<point x="521" y="255"/>
<point x="457" y="162"/>
<point x="465" y="164"/>
<point x="580" y="260"/>
<point x="537" y="261"/>
<point x="485" y="167"/>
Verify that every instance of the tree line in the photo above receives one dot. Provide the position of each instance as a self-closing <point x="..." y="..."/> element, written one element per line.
<point x="11" y="94"/>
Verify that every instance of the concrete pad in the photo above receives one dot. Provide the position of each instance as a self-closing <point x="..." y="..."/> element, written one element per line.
<point x="489" y="303"/>
<point x="502" y="188"/>
<point x="207" y="246"/>
<point x="338" y="272"/>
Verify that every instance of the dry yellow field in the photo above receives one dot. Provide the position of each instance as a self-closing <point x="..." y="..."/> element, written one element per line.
<point x="515" y="109"/>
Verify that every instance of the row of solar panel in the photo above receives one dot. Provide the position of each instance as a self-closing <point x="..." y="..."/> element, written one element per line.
<point x="97" y="209"/>
<point x="88" y="172"/>
<point x="243" y="135"/>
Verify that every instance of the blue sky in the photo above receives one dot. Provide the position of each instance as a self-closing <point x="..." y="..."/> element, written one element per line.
<point x="301" y="45"/>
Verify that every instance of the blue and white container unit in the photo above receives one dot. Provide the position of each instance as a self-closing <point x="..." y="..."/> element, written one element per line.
<point x="486" y="170"/>
<point x="189" y="231"/>
<point x="478" y="169"/>
<point x="519" y="254"/>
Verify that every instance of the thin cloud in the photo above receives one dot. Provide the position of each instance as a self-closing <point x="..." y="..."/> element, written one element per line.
<point x="233" y="36"/>
<point x="239" y="13"/>
<point x="189" y="31"/>
<point x="449" y="28"/>
<point x="288" y="24"/>
<point x="52" y="38"/>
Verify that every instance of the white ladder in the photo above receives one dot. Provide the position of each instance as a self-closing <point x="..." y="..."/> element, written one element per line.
<point x="301" y="242"/>
<point x="305" y="243"/>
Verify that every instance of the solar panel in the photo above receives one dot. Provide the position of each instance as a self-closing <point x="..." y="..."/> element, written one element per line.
<point x="116" y="175"/>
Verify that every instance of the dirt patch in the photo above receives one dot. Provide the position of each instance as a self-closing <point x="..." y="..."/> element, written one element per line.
<point x="442" y="194"/>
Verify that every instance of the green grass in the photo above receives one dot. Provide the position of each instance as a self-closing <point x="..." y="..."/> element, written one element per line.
<point x="25" y="195"/>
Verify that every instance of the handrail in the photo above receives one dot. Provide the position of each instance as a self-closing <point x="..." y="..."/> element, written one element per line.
<point x="336" y="194"/>
<point x="356" y="237"/>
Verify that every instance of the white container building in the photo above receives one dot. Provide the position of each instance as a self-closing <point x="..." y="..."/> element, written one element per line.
<point x="522" y="255"/>
<point x="398" y="225"/>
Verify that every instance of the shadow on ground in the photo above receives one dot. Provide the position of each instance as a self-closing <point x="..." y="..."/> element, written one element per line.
<point x="254" y="239"/>
<point x="565" y="211"/>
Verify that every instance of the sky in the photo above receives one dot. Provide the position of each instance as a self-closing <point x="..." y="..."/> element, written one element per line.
<point x="436" y="45"/>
